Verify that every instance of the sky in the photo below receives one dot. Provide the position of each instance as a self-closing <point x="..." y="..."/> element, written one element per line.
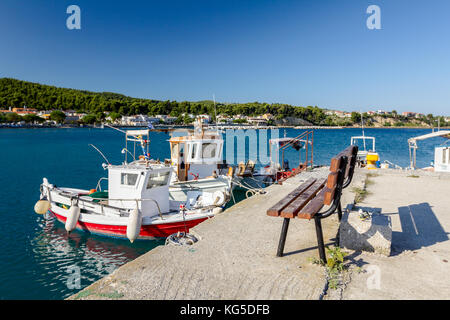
<point x="317" y="52"/>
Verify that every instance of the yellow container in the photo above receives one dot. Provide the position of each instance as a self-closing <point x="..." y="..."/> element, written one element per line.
<point x="372" y="157"/>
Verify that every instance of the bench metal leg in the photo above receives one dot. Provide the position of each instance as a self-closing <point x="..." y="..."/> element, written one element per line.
<point x="320" y="242"/>
<point x="283" y="235"/>
<point x="339" y="211"/>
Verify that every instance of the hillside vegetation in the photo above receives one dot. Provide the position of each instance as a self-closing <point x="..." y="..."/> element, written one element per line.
<point x="18" y="93"/>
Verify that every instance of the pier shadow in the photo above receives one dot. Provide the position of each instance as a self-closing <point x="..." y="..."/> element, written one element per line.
<point x="420" y="228"/>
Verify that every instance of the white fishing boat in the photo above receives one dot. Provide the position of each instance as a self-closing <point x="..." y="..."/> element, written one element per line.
<point x="136" y="204"/>
<point x="441" y="153"/>
<point x="367" y="156"/>
<point x="198" y="165"/>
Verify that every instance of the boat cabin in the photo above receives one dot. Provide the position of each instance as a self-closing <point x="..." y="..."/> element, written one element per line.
<point x="150" y="184"/>
<point x="198" y="155"/>
<point x="442" y="159"/>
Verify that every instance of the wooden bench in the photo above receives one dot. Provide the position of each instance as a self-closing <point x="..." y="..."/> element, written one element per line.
<point x="309" y="198"/>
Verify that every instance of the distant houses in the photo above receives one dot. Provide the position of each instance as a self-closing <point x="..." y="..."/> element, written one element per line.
<point x="410" y="114"/>
<point x="338" y="113"/>
<point x="74" y="117"/>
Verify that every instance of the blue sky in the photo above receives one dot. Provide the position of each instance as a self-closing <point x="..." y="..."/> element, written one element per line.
<point x="297" y="52"/>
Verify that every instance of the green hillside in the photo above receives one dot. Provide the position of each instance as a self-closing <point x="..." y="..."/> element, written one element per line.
<point x="17" y="93"/>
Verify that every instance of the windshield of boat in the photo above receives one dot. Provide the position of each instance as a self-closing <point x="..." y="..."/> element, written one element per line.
<point x="364" y="143"/>
<point x="158" y="179"/>
<point x="128" y="179"/>
<point x="208" y="150"/>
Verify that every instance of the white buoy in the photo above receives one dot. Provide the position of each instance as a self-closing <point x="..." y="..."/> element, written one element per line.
<point x="216" y="210"/>
<point x="72" y="218"/>
<point x="134" y="224"/>
<point x="42" y="206"/>
<point x="219" y="198"/>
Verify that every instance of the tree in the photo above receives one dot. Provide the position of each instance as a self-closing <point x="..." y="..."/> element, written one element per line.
<point x="13" y="117"/>
<point x="89" y="119"/>
<point x="58" y="116"/>
<point x="114" y="116"/>
<point x="356" y="117"/>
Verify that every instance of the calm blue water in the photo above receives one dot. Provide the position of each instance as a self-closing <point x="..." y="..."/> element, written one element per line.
<point x="36" y="255"/>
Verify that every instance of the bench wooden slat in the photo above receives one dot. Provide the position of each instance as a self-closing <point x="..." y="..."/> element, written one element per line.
<point x="275" y="210"/>
<point x="332" y="180"/>
<point x="329" y="196"/>
<point x="291" y="210"/>
<point x="313" y="206"/>
<point x="335" y="164"/>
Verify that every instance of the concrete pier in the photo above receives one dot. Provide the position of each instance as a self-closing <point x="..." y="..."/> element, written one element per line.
<point x="235" y="258"/>
<point x="418" y="204"/>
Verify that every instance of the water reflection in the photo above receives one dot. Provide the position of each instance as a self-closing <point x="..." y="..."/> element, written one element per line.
<point x="60" y="257"/>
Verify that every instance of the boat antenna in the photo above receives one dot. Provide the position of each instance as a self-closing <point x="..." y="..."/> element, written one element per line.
<point x="100" y="153"/>
<point x="215" y="112"/>
<point x="362" y="127"/>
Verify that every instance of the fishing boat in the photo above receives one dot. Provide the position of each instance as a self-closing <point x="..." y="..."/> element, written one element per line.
<point x="367" y="156"/>
<point x="441" y="161"/>
<point x="136" y="205"/>
<point x="277" y="170"/>
<point x="198" y="164"/>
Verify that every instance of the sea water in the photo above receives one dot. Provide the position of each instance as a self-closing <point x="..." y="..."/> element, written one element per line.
<point x="39" y="260"/>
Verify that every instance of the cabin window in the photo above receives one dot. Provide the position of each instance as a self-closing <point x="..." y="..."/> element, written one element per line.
<point x="128" y="179"/>
<point x="158" y="179"/>
<point x="209" y="150"/>
<point x="174" y="153"/>
<point x="194" y="150"/>
<point x="181" y="152"/>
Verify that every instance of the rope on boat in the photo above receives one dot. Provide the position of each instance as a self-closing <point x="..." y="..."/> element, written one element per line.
<point x="250" y="190"/>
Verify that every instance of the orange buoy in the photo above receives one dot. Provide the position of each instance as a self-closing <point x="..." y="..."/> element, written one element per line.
<point x="92" y="191"/>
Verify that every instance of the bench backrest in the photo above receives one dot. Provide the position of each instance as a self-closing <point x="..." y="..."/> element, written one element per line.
<point x="336" y="179"/>
<point x="351" y="152"/>
<point x="307" y="199"/>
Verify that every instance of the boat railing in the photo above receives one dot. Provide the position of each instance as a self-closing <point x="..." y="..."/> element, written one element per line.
<point x="88" y="199"/>
<point x="99" y="187"/>
<point x="308" y="137"/>
<point x="128" y="200"/>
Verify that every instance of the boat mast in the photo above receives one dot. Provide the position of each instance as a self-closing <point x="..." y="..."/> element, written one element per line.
<point x="362" y="127"/>
<point x="215" y="112"/>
